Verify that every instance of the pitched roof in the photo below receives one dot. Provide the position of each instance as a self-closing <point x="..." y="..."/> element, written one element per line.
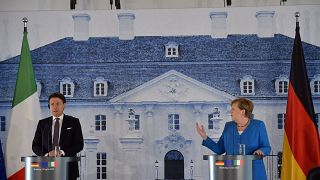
<point x="126" y="64"/>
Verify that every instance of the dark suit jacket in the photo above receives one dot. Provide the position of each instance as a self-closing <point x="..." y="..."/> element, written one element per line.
<point x="71" y="140"/>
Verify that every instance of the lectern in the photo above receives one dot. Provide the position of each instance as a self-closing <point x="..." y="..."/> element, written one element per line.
<point x="48" y="168"/>
<point x="230" y="167"/>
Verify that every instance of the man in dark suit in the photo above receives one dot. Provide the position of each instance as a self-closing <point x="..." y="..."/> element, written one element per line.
<point x="59" y="130"/>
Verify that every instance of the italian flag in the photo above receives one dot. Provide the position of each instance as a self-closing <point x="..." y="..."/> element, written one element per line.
<point x="301" y="147"/>
<point x="24" y="115"/>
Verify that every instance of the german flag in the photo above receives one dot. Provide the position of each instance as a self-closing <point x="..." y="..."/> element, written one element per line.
<point x="301" y="147"/>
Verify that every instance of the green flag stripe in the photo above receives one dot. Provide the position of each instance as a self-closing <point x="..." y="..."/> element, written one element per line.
<point x="26" y="84"/>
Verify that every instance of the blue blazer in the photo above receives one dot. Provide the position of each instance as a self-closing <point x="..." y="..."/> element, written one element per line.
<point x="254" y="137"/>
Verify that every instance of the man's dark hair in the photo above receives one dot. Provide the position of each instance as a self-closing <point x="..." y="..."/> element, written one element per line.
<point x="57" y="95"/>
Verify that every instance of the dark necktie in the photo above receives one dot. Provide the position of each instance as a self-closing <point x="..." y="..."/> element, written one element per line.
<point x="56" y="133"/>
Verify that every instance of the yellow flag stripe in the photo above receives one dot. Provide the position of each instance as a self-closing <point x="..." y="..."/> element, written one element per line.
<point x="290" y="168"/>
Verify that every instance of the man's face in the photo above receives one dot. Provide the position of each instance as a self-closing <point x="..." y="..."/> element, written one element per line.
<point x="56" y="106"/>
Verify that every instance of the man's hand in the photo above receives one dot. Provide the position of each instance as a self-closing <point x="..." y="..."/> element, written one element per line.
<point x="54" y="153"/>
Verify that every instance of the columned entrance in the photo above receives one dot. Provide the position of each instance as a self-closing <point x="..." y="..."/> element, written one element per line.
<point x="173" y="165"/>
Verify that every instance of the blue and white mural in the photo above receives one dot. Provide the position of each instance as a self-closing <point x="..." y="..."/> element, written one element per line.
<point x="138" y="99"/>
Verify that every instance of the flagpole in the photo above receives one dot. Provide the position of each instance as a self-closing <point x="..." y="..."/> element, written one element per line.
<point x="297" y="15"/>
<point x="25" y="21"/>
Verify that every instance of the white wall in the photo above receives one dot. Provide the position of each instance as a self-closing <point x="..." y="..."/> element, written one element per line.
<point x="48" y="26"/>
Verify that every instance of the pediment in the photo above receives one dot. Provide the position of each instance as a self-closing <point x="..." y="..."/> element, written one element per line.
<point x="173" y="86"/>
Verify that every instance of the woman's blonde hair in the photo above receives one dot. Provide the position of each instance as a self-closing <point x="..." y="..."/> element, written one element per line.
<point x="244" y="104"/>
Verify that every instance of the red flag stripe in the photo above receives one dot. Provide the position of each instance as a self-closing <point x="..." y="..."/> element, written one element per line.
<point x="19" y="175"/>
<point x="301" y="133"/>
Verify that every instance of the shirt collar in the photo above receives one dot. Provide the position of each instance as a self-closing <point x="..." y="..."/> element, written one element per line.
<point x="60" y="117"/>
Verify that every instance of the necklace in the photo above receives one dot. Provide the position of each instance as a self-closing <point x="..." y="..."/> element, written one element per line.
<point x="244" y="125"/>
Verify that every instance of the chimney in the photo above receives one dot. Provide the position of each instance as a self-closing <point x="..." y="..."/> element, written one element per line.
<point x="126" y="26"/>
<point x="81" y="27"/>
<point x="219" y="24"/>
<point x="265" y="24"/>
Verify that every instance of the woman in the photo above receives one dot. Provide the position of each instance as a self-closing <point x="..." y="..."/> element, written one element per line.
<point x="242" y="130"/>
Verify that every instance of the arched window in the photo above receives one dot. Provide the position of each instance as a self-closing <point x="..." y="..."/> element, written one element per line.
<point x="174" y="165"/>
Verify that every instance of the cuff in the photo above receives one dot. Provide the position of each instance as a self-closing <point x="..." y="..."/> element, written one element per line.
<point x="63" y="153"/>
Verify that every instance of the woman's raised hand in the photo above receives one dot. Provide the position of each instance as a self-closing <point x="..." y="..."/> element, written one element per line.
<point x="201" y="131"/>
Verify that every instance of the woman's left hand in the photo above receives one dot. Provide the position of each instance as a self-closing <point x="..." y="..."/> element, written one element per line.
<point x="258" y="152"/>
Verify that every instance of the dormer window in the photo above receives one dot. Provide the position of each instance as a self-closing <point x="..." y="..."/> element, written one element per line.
<point x="247" y="85"/>
<point x="315" y="85"/>
<point x="282" y="85"/>
<point x="100" y="87"/>
<point x="67" y="87"/>
<point x="172" y="49"/>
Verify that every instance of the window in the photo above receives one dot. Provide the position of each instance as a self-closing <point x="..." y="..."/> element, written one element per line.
<point x="137" y="122"/>
<point x="247" y="85"/>
<point x="281" y="120"/>
<point x="67" y="87"/>
<point x="315" y="85"/>
<point x="282" y="85"/>
<point x="173" y="122"/>
<point x="172" y="49"/>
<point x="101" y="165"/>
<point x="100" y="87"/>
<point x="101" y="123"/>
<point x="2" y="123"/>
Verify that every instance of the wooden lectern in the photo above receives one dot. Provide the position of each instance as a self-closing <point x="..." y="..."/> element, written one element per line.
<point x="48" y="168"/>
<point x="230" y="167"/>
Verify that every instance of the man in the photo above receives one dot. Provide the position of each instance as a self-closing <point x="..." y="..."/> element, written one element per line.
<point x="59" y="130"/>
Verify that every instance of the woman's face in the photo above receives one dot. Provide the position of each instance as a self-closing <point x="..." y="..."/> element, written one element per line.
<point x="236" y="112"/>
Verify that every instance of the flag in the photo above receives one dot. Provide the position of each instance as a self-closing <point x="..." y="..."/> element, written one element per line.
<point x="301" y="147"/>
<point x="24" y="115"/>
<point x="2" y="167"/>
